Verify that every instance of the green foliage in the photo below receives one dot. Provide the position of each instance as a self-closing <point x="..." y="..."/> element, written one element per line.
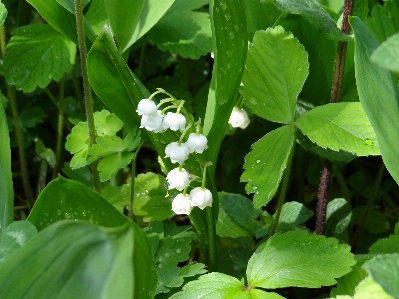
<point x="387" y="54"/>
<point x="3" y="13"/>
<point x="338" y="217"/>
<point x="35" y="55"/>
<point x="292" y="214"/>
<point x="386" y="245"/>
<point x="44" y="153"/>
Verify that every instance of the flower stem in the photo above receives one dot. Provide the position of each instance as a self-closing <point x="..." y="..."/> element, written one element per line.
<point x="59" y="129"/>
<point x="282" y="193"/>
<point x="86" y="90"/>
<point x="18" y="132"/>
<point x="322" y="197"/>
<point x="212" y="239"/>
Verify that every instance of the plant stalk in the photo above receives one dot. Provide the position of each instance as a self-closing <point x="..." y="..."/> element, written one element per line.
<point x="133" y="175"/>
<point x="59" y="129"/>
<point x="322" y="197"/>
<point x="18" y="132"/>
<point x="86" y="90"/>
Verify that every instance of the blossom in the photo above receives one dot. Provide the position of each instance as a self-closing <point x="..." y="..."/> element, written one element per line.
<point x="174" y="121"/>
<point x="177" y="153"/>
<point x="197" y="143"/>
<point x="239" y="118"/>
<point x="178" y="178"/>
<point x="153" y="122"/>
<point x="201" y="197"/>
<point x="146" y="107"/>
<point x="181" y="204"/>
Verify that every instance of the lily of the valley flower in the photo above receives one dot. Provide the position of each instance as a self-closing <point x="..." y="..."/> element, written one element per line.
<point x="182" y="204"/>
<point x="178" y="178"/>
<point x="177" y="153"/>
<point x="146" y="107"/>
<point x="201" y="197"/>
<point x="239" y="118"/>
<point x="174" y="121"/>
<point x="197" y="143"/>
<point x="152" y="122"/>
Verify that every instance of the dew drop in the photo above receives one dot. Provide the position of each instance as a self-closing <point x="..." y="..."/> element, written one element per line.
<point x="91" y="220"/>
<point x="67" y="215"/>
<point x="236" y="28"/>
<point x="368" y="141"/>
<point x="223" y="5"/>
<point x="231" y="34"/>
<point x="178" y="250"/>
<point x="75" y="213"/>
<point x="227" y="16"/>
<point x="228" y="66"/>
<point x="58" y="212"/>
<point x="217" y="9"/>
<point x="254" y="187"/>
<point x="253" y="101"/>
<point x="257" y="161"/>
<point x="84" y="213"/>
<point x="167" y="254"/>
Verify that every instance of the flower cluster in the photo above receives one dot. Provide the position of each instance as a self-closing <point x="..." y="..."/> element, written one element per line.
<point x="153" y="119"/>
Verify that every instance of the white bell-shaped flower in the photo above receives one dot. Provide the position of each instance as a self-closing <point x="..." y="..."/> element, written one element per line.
<point x="174" y="121"/>
<point x="181" y="204"/>
<point x="177" y="153"/>
<point x="201" y="198"/>
<point x="152" y="123"/>
<point x="197" y="143"/>
<point x="239" y="118"/>
<point x="146" y="107"/>
<point x="178" y="179"/>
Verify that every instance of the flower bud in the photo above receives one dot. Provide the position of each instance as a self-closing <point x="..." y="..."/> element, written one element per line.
<point x="181" y="204"/>
<point x="178" y="179"/>
<point x="197" y="143"/>
<point x="239" y="118"/>
<point x="177" y="153"/>
<point x="146" y="107"/>
<point x="174" y="121"/>
<point x="201" y="198"/>
<point x="152" y="123"/>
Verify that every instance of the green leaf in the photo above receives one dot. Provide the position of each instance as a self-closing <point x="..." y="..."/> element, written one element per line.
<point x="265" y="164"/>
<point x="384" y="270"/>
<point x="57" y="17"/>
<point x="106" y="123"/>
<point x="376" y="221"/>
<point x="385" y="245"/>
<point x="338" y="216"/>
<point x="3" y="13"/>
<point x="35" y="55"/>
<point x="96" y="15"/>
<point x="298" y="259"/>
<point x="65" y="199"/>
<point x="187" y="33"/>
<point x="77" y="143"/>
<point x="260" y="15"/>
<point x="368" y="289"/>
<point x="44" y="153"/>
<point x="109" y="166"/>
<point x="276" y="69"/>
<point x="131" y="19"/>
<point x="237" y="216"/>
<point x="315" y="14"/>
<point x="28" y="118"/>
<point x="292" y="214"/>
<point x="150" y="199"/>
<point x="340" y="126"/>
<point x="218" y="285"/>
<point x="387" y="54"/>
<point x="6" y="187"/>
<point x="114" y="263"/>
<point x="379" y="96"/>
<point x="15" y="236"/>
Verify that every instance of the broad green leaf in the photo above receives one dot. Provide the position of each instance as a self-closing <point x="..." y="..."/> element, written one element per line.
<point x="340" y="126"/>
<point x="338" y="216"/>
<point x="184" y="5"/>
<point x="292" y="214"/>
<point x="44" y="153"/>
<point x="300" y="259"/>
<point x="260" y="15"/>
<point x="368" y="289"/>
<point x="276" y="69"/>
<point x="315" y="14"/>
<point x="187" y="33"/>
<point x="65" y="199"/>
<point x="57" y="17"/>
<point x="237" y="216"/>
<point x="109" y="165"/>
<point x="96" y="15"/>
<point x="15" y="236"/>
<point x="265" y="164"/>
<point x="3" y="13"/>
<point x="385" y="245"/>
<point x="218" y="285"/>
<point x="131" y="19"/>
<point x="113" y="263"/>
<point x="81" y="175"/>
<point x="387" y="54"/>
<point x="150" y="199"/>
<point x="384" y="270"/>
<point x="35" y="55"/>
<point x="6" y="187"/>
<point x="379" y="96"/>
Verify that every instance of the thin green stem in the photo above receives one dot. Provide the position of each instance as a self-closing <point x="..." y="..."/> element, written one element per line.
<point x="42" y="175"/>
<point x="60" y="126"/>
<point x="18" y="132"/>
<point x="212" y="266"/>
<point x="133" y="176"/>
<point x="369" y="205"/>
<point x="283" y="192"/>
<point x="86" y="89"/>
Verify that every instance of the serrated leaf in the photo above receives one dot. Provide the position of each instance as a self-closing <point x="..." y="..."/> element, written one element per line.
<point x="65" y="199"/>
<point x="36" y="54"/>
<point x="340" y="126"/>
<point x="149" y="197"/>
<point x="77" y="143"/>
<point x="15" y="236"/>
<point x="106" y="123"/>
<point x="338" y="216"/>
<point x="3" y="13"/>
<point x="315" y="14"/>
<point x="384" y="270"/>
<point x="115" y="263"/>
<point x="368" y="289"/>
<point x="387" y="54"/>
<point x="292" y="214"/>
<point x="265" y="164"/>
<point x="385" y="245"/>
<point x="379" y="96"/>
<point x="300" y="259"/>
<point x="187" y="33"/>
<point x="109" y="165"/>
<point x="276" y="69"/>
